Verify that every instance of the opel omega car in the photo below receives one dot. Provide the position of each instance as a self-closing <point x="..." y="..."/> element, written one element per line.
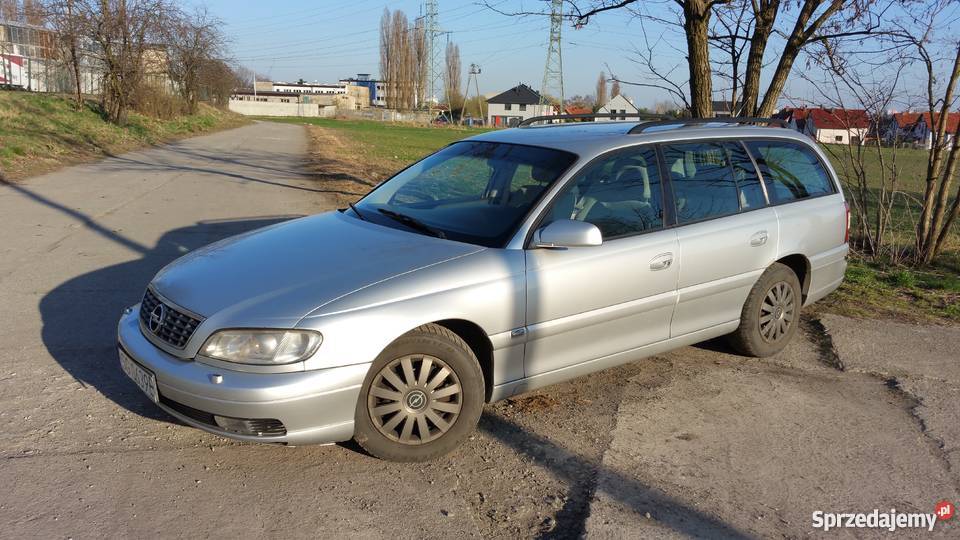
<point x="502" y="263"/>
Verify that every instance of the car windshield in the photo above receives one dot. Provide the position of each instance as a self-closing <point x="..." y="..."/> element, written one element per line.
<point x="476" y="192"/>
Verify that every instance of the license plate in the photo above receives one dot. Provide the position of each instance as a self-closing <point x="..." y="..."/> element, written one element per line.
<point x="144" y="379"/>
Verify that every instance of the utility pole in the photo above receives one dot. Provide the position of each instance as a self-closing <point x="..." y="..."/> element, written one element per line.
<point x="553" y="70"/>
<point x="474" y="71"/>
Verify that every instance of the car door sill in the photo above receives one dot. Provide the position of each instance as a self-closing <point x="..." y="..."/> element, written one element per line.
<point x="505" y="390"/>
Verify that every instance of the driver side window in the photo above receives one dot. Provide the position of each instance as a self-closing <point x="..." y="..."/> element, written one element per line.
<point x="620" y="194"/>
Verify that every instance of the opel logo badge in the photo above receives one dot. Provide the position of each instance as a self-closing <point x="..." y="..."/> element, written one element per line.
<point x="157" y="316"/>
<point x="416" y="399"/>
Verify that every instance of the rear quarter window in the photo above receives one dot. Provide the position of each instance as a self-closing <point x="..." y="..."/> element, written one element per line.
<point x="791" y="171"/>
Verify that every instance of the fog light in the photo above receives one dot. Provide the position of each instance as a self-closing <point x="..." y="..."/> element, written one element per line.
<point x="235" y="425"/>
<point x="257" y="427"/>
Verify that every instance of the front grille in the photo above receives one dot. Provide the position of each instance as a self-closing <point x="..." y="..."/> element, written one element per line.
<point x="260" y="427"/>
<point x="176" y="328"/>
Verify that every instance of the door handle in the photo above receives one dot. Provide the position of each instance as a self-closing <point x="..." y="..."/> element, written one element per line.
<point x="661" y="261"/>
<point x="758" y="239"/>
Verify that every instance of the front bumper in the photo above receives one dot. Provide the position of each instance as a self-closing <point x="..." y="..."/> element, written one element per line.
<point x="315" y="407"/>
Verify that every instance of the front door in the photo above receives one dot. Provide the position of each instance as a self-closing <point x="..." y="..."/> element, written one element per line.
<point x="587" y="303"/>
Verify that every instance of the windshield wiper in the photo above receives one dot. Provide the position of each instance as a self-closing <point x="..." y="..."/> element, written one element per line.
<point x="357" y="212"/>
<point x="412" y="222"/>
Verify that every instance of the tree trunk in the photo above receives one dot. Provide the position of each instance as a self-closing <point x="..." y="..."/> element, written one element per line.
<point x="765" y="17"/>
<point x="75" y="61"/>
<point x="799" y="37"/>
<point x="935" y="200"/>
<point x="943" y="220"/>
<point x="696" y="24"/>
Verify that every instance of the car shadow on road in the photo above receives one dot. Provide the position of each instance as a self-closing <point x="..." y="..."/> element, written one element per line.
<point x="640" y="498"/>
<point x="80" y="315"/>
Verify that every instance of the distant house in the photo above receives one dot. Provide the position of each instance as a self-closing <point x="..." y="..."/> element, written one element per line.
<point x="831" y="126"/>
<point x="724" y="109"/>
<point x="509" y="108"/>
<point x="916" y="128"/>
<point x="618" y="104"/>
<point x="577" y="109"/>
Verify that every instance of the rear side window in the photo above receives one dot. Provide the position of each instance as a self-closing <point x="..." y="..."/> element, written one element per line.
<point x="791" y="171"/>
<point x="703" y="182"/>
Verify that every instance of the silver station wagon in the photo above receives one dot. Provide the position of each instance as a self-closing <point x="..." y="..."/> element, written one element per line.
<point x="502" y="263"/>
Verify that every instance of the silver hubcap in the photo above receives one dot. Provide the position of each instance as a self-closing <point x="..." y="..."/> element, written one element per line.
<point x="777" y="312"/>
<point x="414" y="399"/>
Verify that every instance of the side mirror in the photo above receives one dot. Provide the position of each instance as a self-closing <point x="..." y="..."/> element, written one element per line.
<point x="567" y="233"/>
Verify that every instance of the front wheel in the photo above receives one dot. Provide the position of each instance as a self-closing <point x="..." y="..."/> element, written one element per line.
<point x="422" y="397"/>
<point x="770" y="315"/>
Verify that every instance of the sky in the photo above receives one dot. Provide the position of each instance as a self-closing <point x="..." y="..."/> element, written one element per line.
<point x="328" y="40"/>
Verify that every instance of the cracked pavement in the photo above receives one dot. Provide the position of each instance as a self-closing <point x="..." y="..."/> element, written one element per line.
<point x="854" y="415"/>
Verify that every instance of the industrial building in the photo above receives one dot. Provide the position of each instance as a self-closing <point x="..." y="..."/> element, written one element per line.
<point x="376" y="88"/>
<point x="283" y="99"/>
<point x="30" y="59"/>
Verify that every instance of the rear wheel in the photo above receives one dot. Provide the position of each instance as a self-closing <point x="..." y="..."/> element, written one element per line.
<point x="770" y="315"/>
<point x="423" y="396"/>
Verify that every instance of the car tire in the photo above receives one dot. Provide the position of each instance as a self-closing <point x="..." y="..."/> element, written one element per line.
<point x="770" y="315"/>
<point x="421" y="398"/>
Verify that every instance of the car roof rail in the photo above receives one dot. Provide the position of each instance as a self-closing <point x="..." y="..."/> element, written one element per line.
<point x="683" y="122"/>
<point x="591" y="116"/>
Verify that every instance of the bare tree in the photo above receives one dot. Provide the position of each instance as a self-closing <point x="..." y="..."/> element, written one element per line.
<point x="940" y="59"/>
<point x="601" y="90"/>
<point x="218" y="81"/>
<point x="851" y="80"/>
<point x="125" y="32"/>
<point x="34" y="12"/>
<point x="193" y="41"/>
<point x="731" y="36"/>
<point x="420" y="56"/>
<point x="816" y="21"/>
<point x="452" y="78"/>
<point x="615" y="89"/>
<point x="68" y="18"/>
<point x="403" y="58"/>
<point x="9" y="10"/>
<point x="923" y="40"/>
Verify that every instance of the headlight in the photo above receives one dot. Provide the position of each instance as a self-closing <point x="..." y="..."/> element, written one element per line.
<point x="263" y="347"/>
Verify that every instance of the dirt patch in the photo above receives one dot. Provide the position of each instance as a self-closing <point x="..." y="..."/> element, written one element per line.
<point x="340" y="168"/>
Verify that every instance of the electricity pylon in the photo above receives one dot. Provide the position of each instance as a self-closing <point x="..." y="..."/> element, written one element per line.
<point x="435" y="71"/>
<point x="474" y="71"/>
<point x="553" y="70"/>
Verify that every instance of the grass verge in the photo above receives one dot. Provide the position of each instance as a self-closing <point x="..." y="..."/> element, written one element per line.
<point x="41" y="132"/>
<point x="348" y="158"/>
<point x="875" y="290"/>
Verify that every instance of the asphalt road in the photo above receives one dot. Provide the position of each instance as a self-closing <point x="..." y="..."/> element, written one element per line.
<point x="852" y="416"/>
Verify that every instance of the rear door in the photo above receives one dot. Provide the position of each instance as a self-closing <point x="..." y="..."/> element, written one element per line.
<point x="810" y="208"/>
<point x="727" y="233"/>
<point x="587" y="303"/>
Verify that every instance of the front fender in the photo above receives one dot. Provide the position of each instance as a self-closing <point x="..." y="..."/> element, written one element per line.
<point x="487" y="289"/>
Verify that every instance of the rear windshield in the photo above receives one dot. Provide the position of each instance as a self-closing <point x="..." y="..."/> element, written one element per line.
<point x="476" y="192"/>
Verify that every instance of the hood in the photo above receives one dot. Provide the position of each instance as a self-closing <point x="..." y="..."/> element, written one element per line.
<point x="280" y="273"/>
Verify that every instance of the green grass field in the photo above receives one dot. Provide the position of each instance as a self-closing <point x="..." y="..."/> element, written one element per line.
<point x="402" y="143"/>
<point x="39" y="132"/>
